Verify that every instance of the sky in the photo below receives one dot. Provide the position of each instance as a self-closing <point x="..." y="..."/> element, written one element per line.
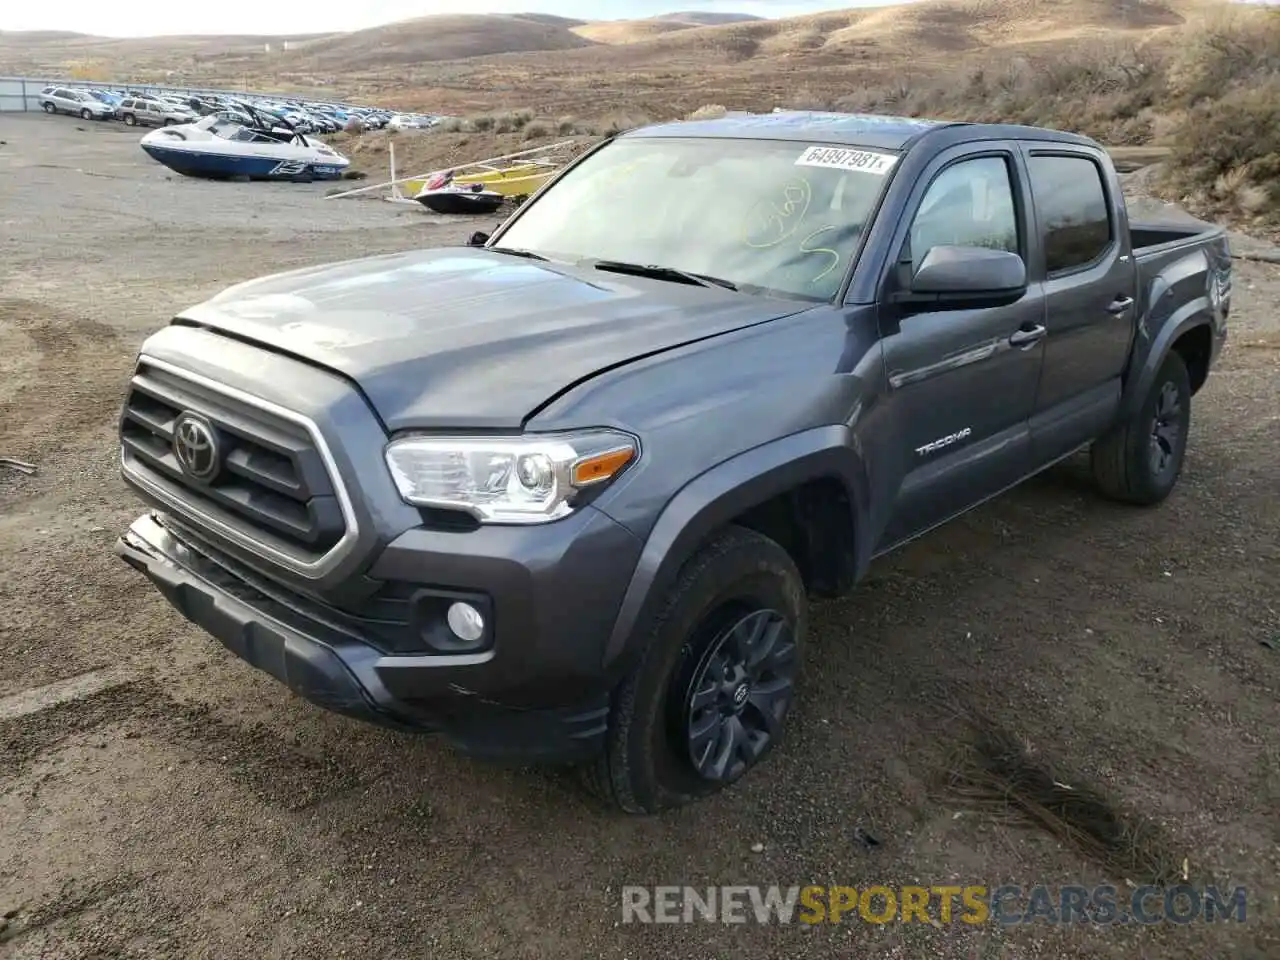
<point x="159" y="17"/>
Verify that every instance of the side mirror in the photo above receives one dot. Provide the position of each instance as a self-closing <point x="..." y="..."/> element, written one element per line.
<point x="478" y="239"/>
<point x="968" y="276"/>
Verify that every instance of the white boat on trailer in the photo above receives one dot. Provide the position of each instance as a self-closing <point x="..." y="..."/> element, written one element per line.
<point x="216" y="148"/>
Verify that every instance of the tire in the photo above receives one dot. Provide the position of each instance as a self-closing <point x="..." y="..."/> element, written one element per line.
<point x="1140" y="460"/>
<point x="49" y="108"/>
<point x="739" y="591"/>
<point x="86" y="115"/>
<point x="130" y="120"/>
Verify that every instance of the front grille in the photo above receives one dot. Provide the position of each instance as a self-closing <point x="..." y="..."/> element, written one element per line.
<point x="270" y="483"/>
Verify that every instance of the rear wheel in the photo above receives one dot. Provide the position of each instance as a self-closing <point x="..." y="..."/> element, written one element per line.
<point x="1140" y="460"/>
<point x="708" y="699"/>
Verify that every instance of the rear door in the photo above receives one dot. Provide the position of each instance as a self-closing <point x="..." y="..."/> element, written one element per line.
<point x="961" y="382"/>
<point x="1089" y="286"/>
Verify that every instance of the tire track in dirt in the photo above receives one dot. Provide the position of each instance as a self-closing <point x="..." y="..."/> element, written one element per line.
<point x="26" y="739"/>
<point x="68" y="395"/>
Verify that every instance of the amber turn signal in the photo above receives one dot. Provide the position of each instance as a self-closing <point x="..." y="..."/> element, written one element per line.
<point x="600" y="466"/>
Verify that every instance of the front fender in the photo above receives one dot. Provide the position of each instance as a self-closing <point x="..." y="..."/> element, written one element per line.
<point x="725" y="491"/>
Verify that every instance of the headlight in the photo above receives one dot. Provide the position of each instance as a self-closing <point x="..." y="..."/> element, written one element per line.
<point x="525" y="479"/>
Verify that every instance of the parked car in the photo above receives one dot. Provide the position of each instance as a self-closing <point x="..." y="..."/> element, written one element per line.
<point x="575" y="510"/>
<point x="106" y="96"/>
<point x="140" y="111"/>
<point x="77" y="103"/>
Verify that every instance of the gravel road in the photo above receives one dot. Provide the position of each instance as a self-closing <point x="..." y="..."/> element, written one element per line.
<point x="159" y="798"/>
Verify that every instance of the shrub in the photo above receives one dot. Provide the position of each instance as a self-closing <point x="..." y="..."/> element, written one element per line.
<point x="1226" y="153"/>
<point x="708" y="111"/>
<point x="1235" y="46"/>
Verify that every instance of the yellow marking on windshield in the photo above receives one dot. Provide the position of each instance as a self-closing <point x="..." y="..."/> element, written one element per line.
<point x="776" y="222"/>
<point x="835" y="257"/>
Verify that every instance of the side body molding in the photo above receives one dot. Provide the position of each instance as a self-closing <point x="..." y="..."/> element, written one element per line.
<point x="725" y="491"/>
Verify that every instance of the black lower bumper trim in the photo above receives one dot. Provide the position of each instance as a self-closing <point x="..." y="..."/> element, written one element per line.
<point x="337" y="671"/>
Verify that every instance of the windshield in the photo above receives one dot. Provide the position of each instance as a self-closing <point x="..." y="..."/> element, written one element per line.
<point x="783" y="218"/>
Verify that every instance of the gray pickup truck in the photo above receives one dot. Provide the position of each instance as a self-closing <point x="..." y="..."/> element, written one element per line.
<point x="562" y="493"/>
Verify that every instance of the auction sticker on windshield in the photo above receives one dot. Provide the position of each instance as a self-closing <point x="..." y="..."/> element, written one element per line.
<point x="842" y="158"/>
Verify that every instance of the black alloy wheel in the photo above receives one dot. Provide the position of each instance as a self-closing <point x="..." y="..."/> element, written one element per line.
<point x="1166" y="430"/>
<point x="738" y="693"/>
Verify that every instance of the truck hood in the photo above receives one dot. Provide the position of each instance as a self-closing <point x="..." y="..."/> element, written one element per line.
<point x="468" y="338"/>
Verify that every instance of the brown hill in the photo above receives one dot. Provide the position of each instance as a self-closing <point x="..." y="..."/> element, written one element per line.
<point x="816" y="58"/>
<point x="465" y="63"/>
<point x="925" y="27"/>
<point x="630" y="31"/>
<point x="423" y="40"/>
<point x="439" y="37"/>
<point x="708" y="18"/>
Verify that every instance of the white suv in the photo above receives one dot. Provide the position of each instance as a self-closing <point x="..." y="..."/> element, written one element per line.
<point x="78" y="103"/>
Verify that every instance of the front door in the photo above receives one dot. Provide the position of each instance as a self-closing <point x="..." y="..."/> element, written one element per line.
<point x="961" y="382"/>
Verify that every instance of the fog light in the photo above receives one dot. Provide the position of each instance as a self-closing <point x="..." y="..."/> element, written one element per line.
<point x="465" y="622"/>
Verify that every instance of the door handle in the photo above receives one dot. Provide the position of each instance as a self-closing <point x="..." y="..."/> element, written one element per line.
<point x="1025" y="338"/>
<point x="1120" y="305"/>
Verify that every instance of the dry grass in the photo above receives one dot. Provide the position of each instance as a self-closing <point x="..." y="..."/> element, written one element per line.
<point x="1004" y="776"/>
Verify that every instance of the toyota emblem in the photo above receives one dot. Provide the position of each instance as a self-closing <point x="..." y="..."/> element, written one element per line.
<point x="195" y="445"/>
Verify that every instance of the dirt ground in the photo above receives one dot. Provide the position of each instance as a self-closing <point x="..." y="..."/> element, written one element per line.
<point x="159" y="798"/>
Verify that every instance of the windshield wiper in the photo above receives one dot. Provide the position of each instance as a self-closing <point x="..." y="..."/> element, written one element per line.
<point x="658" y="272"/>
<point x="516" y="252"/>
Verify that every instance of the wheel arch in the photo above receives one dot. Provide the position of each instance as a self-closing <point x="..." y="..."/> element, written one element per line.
<point x="810" y="485"/>
<point x="1188" y="331"/>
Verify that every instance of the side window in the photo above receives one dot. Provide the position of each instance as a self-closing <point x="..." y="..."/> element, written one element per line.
<point x="969" y="204"/>
<point x="1071" y="204"/>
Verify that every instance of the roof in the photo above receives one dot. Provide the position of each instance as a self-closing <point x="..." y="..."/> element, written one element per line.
<point x="845" y="129"/>
<point x="870" y="130"/>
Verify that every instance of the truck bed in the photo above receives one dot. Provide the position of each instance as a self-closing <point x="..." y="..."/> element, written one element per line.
<point x="1152" y="236"/>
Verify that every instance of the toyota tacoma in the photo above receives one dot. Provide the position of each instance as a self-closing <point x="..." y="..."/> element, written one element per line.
<point x="562" y="493"/>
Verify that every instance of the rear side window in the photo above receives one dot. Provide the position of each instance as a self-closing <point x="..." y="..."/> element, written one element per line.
<point x="1075" y="218"/>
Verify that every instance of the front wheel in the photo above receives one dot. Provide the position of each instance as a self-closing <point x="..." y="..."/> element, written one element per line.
<point x="1140" y="460"/>
<point x="86" y="115"/>
<point x="716" y="677"/>
<point x="130" y="120"/>
<point x="49" y="108"/>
